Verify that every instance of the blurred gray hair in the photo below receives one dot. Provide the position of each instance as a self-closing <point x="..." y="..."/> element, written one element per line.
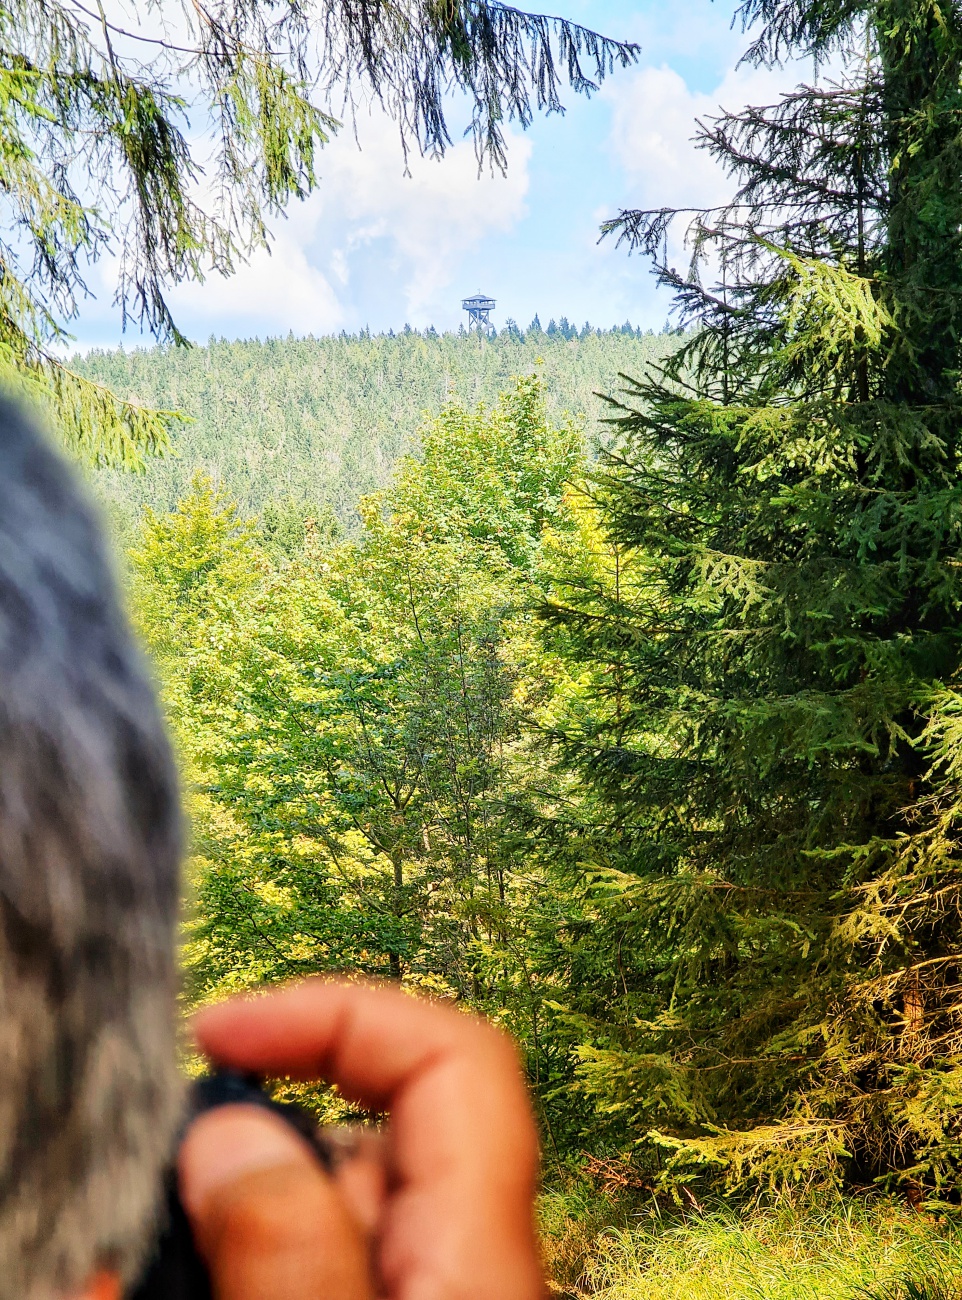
<point x="89" y="858"/>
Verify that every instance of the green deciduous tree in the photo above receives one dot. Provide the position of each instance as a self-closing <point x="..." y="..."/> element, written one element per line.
<point x="352" y="717"/>
<point x="769" y="852"/>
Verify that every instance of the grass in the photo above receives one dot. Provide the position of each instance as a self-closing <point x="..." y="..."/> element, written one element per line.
<point x="849" y="1252"/>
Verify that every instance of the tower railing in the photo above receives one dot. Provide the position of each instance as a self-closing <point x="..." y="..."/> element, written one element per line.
<point x="479" y="308"/>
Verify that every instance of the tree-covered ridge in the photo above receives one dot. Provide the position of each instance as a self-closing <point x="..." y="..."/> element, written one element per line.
<point x="316" y="423"/>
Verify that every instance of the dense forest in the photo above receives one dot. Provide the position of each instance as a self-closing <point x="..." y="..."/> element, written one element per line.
<point x="405" y="751"/>
<point x="313" y="424"/>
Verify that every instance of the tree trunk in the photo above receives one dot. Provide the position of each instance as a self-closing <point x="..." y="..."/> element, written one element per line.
<point x="397" y="862"/>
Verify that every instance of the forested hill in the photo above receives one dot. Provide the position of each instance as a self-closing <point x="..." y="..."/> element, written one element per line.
<point x="321" y="421"/>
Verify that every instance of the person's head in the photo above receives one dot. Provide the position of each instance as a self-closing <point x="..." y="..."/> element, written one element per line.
<point x="89" y="853"/>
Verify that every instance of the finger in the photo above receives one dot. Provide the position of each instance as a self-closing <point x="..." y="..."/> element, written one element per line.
<point x="451" y="1076"/>
<point x="463" y="1147"/>
<point x="267" y="1220"/>
<point x="360" y="1172"/>
<point x="104" y="1286"/>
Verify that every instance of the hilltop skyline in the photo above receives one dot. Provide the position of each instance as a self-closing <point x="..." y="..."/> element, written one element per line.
<point x="376" y="248"/>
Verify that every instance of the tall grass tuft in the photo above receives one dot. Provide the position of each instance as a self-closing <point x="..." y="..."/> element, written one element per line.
<point x="849" y="1251"/>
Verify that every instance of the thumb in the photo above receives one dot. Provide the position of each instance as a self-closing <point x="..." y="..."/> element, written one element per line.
<point x="268" y="1221"/>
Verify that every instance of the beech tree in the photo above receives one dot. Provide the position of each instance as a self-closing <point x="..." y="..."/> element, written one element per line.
<point x="350" y="717"/>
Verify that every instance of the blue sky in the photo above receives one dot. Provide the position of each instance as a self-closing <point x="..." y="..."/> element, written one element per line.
<point x="376" y="248"/>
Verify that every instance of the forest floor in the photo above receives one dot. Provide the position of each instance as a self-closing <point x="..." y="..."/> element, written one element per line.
<point x="849" y="1251"/>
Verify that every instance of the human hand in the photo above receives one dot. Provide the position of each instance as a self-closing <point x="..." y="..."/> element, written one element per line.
<point x="440" y="1208"/>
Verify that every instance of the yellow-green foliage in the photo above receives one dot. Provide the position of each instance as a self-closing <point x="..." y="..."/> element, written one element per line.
<point x="849" y="1252"/>
<point x="350" y="717"/>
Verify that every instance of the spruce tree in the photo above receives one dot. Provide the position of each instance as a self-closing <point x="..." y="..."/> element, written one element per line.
<point x="768" y="945"/>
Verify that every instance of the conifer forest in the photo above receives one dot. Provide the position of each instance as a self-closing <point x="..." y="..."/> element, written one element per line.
<point x="604" y="681"/>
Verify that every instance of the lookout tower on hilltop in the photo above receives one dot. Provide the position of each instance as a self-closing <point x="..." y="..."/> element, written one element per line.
<point x="479" y="308"/>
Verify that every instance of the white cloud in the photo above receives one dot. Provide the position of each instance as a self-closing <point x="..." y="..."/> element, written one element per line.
<point x="417" y="228"/>
<point x="654" y="121"/>
<point x="373" y="229"/>
<point x="653" y="124"/>
<point x="279" y="289"/>
<point x="428" y="221"/>
<point x="375" y="245"/>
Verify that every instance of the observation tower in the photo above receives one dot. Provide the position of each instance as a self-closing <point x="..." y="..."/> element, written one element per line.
<point x="479" y="308"/>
